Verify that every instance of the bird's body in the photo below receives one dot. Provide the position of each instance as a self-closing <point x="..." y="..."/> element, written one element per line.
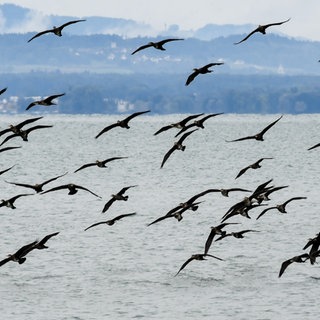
<point x="199" y="257"/>
<point x="73" y="189"/>
<point x="255" y="165"/>
<point x="116" y="197"/>
<point x="176" y="146"/>
<point x="111" y="221"/>
<point x="55" y="30"/>
<point x="99" y="164"/>
<point x="203" y="70"/>
<point x="157" y="45"/>
<point x="259" y="135"/>
<point x="45" y="102"/>
<point x="38" y="187"/>
<point x="262" y="29"/>
<point x="121" y="123"/>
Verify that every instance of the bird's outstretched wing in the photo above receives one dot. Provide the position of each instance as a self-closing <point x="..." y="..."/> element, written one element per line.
<point x="3" y="90"/>
<point x="50" y="98"/>
<point x="191" y="77"/>
<point x="135" y="114"/>
<point x="40" y="34"/>
<point x="185" y="264"/>
<point x="242" y="171"/>
<point x="108" y="205"/>
<point x="46" y="238"/>
<point x="86" y="189"/>
<point x="106" y="129"/>
<point x="264" y="211"/>
<point x="315" y="146"/>
<point x="269" y="126"/>
<point x="71" y="22"/>
<point x="142" y="48"/>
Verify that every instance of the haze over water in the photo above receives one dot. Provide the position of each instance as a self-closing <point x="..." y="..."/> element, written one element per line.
<point x="126" y="271"/>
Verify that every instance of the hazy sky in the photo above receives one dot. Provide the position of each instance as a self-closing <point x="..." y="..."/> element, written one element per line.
<point x="304" y="14"/>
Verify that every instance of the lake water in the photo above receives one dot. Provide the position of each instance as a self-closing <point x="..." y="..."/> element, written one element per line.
<point x="127" y="271"/>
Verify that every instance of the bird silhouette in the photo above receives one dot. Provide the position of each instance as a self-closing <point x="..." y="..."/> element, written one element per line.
<point x="38" y="187"/>
<point x="157" y="45"/>
<point x="238" y="235"/>
<point x="99" y="164"/>
<point x="202" y="70"/>
<point x="117" y="197"/>
<point x="19" y="255"/>
<point x="111" y="221"/>
<point x="258" y="136"/>
<point x="73" y="189"/>
<point x="9" y="203"/>
<point x="198" y="123"/>
<point x="199" y="257"/>
<point x="262" y="29"/>
<point x="280" y="207"/>
<point x="299" y="259"/>
<point x="121" y="123"/>
<point x="45" y="102"/>
<point x="255" y="165"/>
<point x="16" y="128"/>
<point x="176" y="146"/>
<point x="55" y="30"/>
<point x="180" y="124"/>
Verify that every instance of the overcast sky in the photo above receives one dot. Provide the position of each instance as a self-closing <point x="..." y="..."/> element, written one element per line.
<point x="304" y="14"/>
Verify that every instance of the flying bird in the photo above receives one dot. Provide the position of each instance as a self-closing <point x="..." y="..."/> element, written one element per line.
<point x="157" y="45"/>
<point x="73" y="189"/>
<point x="176" y="146"/>
<point x="258" y="136"/>
<point x="24" y="133"/>
<point x="238" y="235"/>
<point x="99" y="164"/>
<point x="315" y="146"/>
<point x="299" y="259"/>
<point x="314" y="243"/>
<point x="121" y="123"/>
<point x="198" y="123"/>
<point x="117" y="197"/>
<point x="111" y="221"/>
<point x="202" y="70"/>
<point x="42" y="243"/>
<point x="45" y="102"/>
<point x="38" y="187"/>
<point x="180" y="124"/>
<point x="55" y="30"/>
<point x="199" y="256"/>
<point x="261" y="29"/>
<point x="19" y="256"/>
<point x="16" y="128"/>
<point x="10" y="202"/>
<point x="217" y="230"/>
<point x="280" y="207"/>
<point x="255" y="165"/>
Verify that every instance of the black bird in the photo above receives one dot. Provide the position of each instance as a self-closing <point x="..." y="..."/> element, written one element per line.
<point x="238" y="235"/>
<point x="225" y="192"/>
<point x="42" y="243"/>
<point x="38" y="186"/>
<point x="176" y="146"/>
<point x="315" y="146"/>
<point x="265" y="195"/>
<point x="121" y="123"/>
<point x="300" y="259"/>
<point x="202" y="70"/>
<point x="255" y="165"/>
<point x="262" y="29"/>
<point x="199" y="256"/>
<point x="3" y="91"/>
<point x="180" y="124"/>
<point x="280" y="207"/>
<point x="118" y="196"/>
<point x="16" y="128"/>
<point x="217" y="230"/>
<point x="4" y="171"/>
<point x="99" y="164"/>
<point x="8" y="148"/>
<point x="198" y="123"/>
<point x="10" y="202"/>
<point x="19" y="256"/>
<point x="56" y="30"/>
<point x="24" y="133"/>
<point x="314" y="243"/>
<point x="111" y="221"/>
<point x="157" y="45"/>
<point x="258" y="136"/>
<point x="72" y="189"/>
<point x="45" y="102"/>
